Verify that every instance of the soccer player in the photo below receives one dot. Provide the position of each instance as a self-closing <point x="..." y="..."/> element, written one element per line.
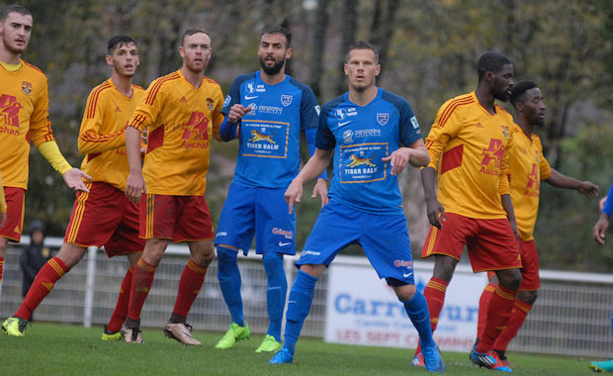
<point x="271" y="108"/>
<point x="182" y="111"/>
<point x="24" y="103"/>
<point x="102" y="216"/>
<point x="527" y="167"/>
<point x="469" y="146"/>
<point x="372" y="134"/>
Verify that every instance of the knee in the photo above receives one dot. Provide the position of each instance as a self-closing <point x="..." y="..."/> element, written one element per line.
<point x="71" y="254"/>
<point x="226" y="256"/>
<point x="528" y="297"/>
<point x="444" y="267"/>
<point x="509" y="278"/>
<point x="273" y="262"/>
<point x="405" y="293"/>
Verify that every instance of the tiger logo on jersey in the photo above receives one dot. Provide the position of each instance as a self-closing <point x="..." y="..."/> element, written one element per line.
<point x="356" y="161"/>
<point x="257" y="136"/>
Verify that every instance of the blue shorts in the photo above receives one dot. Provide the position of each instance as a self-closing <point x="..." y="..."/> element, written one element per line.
<point x="260" y="211"/>
<point x="384" y="238"/>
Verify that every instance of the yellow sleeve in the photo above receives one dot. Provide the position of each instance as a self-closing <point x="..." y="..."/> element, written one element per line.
<point x="2" y="200"/>
<point x="440" y="133"/>
<point x="40" y="126"/>
<point x="544" y="167"/>
<point x="91" y="140"/>
<point x="504" y="187"/>
<point x="52" y="153"/>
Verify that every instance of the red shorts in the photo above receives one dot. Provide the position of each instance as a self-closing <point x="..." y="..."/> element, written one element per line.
<point x="530" y="279"/>
<point x="15" y="202"/>
<point x="177" y="218"/>
<point x="491" y="243"/>
<point x="105" y="217"/>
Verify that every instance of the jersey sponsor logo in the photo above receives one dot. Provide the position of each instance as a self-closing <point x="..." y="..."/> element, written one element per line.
<point x="26" y="87"/>
<point x="9" y="110"/>
<point x="227" y="101"/>
<point x="493" y="153"/>
<point x="309" y="252"/>
<point x="533" y="186"/>
<point x="250" y="97"/>
<point x="357" y="161"/>
<point x="254" y="108"/>
<point x="383" y="118"/>
<point x="285" y="233"/>
<point x="257" y="137"/>
<point x="210" y="103"/>
<point x="403" y="263"/>
<point x="286" y="100"/>
<point x="340" y="114"/>
<point x="268" y="110"/>
<point x="196" y="132"/>
<point x="317" y="109"/>
<point x="221" y="233"/>
<point x="341" y="123"/>
<point x="250" y="87"/>
<point x="348" y="136"/>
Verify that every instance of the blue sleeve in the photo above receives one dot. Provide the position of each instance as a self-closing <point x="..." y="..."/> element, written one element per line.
<point x="409" y="127"/>
<point x="309" y="109"/>
<point x="325" y="138"/>
<point x="608" y="205"/>
<point x="234" y="96"/>
<point x="310" y="135"/>
<point x="227" y="130"/>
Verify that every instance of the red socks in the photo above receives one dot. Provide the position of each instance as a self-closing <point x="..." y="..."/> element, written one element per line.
<point x="498" y="312"/>
<point x="141" y="284"/>
<point x="50" y="273"/>
<point x="518" y="316"/>
<point x="190" y="284"/>
<point x="123" y="300"/>
<point x="484" y="303"/>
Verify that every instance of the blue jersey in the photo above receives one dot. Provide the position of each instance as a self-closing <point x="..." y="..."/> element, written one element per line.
<point x="269" y="141"/>
<point x="361" y="137"/>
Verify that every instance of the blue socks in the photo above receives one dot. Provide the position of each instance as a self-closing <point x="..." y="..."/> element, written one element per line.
<point x="276" y="291"/>
<point x="230" y="283"/>
<point x="298" y="307"/>
<point x="417" y="309"/>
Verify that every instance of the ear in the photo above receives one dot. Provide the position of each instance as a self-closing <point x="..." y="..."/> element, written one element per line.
<point x="109" y="60"/>
<point x="377" y="70"/>
<point x="288" y="54"/>
<point x="346" y="69"/>
<point x="181" y="52"/>
<point x="519" y="107"/>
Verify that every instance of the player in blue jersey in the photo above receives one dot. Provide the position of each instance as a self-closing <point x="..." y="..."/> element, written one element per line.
<point x="373" y="135"/>
<point x="266" y="110"/>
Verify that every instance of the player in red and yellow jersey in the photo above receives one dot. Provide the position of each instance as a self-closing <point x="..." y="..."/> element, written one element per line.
<point x="469" y="146"/>
<point x="103" y="215"/>
<point x="182" y="112"/>
<point x="528" y="167"/>
<point x="24" y="104"/>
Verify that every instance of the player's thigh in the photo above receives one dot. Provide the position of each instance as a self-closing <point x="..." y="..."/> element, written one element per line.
<point x="494" y="247"/>
<point x="126" y="240"/>
<point x="202" y="251"/>
<point x="530" y="279"/>
<point x="451" y="239"/>
<point x="237" y="220"/>
<point x="387" y="245"/>
<point x="275" y="228"/>
<point x="158" y="216"/>
<point x="15" y="204"/>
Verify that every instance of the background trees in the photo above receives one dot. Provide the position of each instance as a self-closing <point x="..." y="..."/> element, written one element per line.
<point x="428" y="51"/>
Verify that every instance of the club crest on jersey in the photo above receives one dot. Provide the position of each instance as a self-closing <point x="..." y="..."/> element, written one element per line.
<point x="505" y="131"/>
<point x="286" y="100"/>
<point x="26" y="87"/>
<point x="250" y="87"/>
<point x="382" y="119"/>
<point x="210" y="103"/>
<point x="340" y="113"/>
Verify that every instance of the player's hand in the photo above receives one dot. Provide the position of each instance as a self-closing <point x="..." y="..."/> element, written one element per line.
<point x="321" y="189"/>
<point x="600" y="229"/>
<point x="436" y="213"/>
<point x="237" y="112"/>
<point x="589" y="189"/>
<point x="135" y="187"/>
<point x="2" y="219"/>
<point x="398" y="159"/>
<point x="293" y="194"/>
<point x="74" y="179"/>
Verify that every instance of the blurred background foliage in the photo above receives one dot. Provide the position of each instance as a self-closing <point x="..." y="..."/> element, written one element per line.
<point x="428" y="53"/>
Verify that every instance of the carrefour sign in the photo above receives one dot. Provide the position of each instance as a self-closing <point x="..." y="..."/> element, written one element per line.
<point x="363" y="310"/>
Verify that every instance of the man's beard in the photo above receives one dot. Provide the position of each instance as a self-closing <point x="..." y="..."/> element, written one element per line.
<point x="276" y="68"/>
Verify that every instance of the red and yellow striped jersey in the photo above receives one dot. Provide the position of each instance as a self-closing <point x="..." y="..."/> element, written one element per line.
<point x="102" y="135"/>
<point x="528" y="167"/>
<point x="24" y="117"/>
<point x="470" y="149"/>
<point x="181" y="121"/>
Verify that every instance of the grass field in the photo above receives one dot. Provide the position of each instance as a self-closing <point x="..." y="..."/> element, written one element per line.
<point x="55" y="349"/>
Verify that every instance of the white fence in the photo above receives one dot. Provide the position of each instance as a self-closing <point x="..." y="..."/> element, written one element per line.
<point x="572" y="315"/>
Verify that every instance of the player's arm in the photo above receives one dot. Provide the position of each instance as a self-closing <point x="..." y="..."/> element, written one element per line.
<point x="316" y="165"/>
<point x="507" y="205"/>
<point x="600" y="228"/>
<point x="560" y="180"/>
<point x="2" y="204"/>
<point x="416" y="155"/>
<point x="136" y="183"/>
<point x="91" y="140"/>
<point x="321" y="186"/>
<point x="227" y="130"/>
